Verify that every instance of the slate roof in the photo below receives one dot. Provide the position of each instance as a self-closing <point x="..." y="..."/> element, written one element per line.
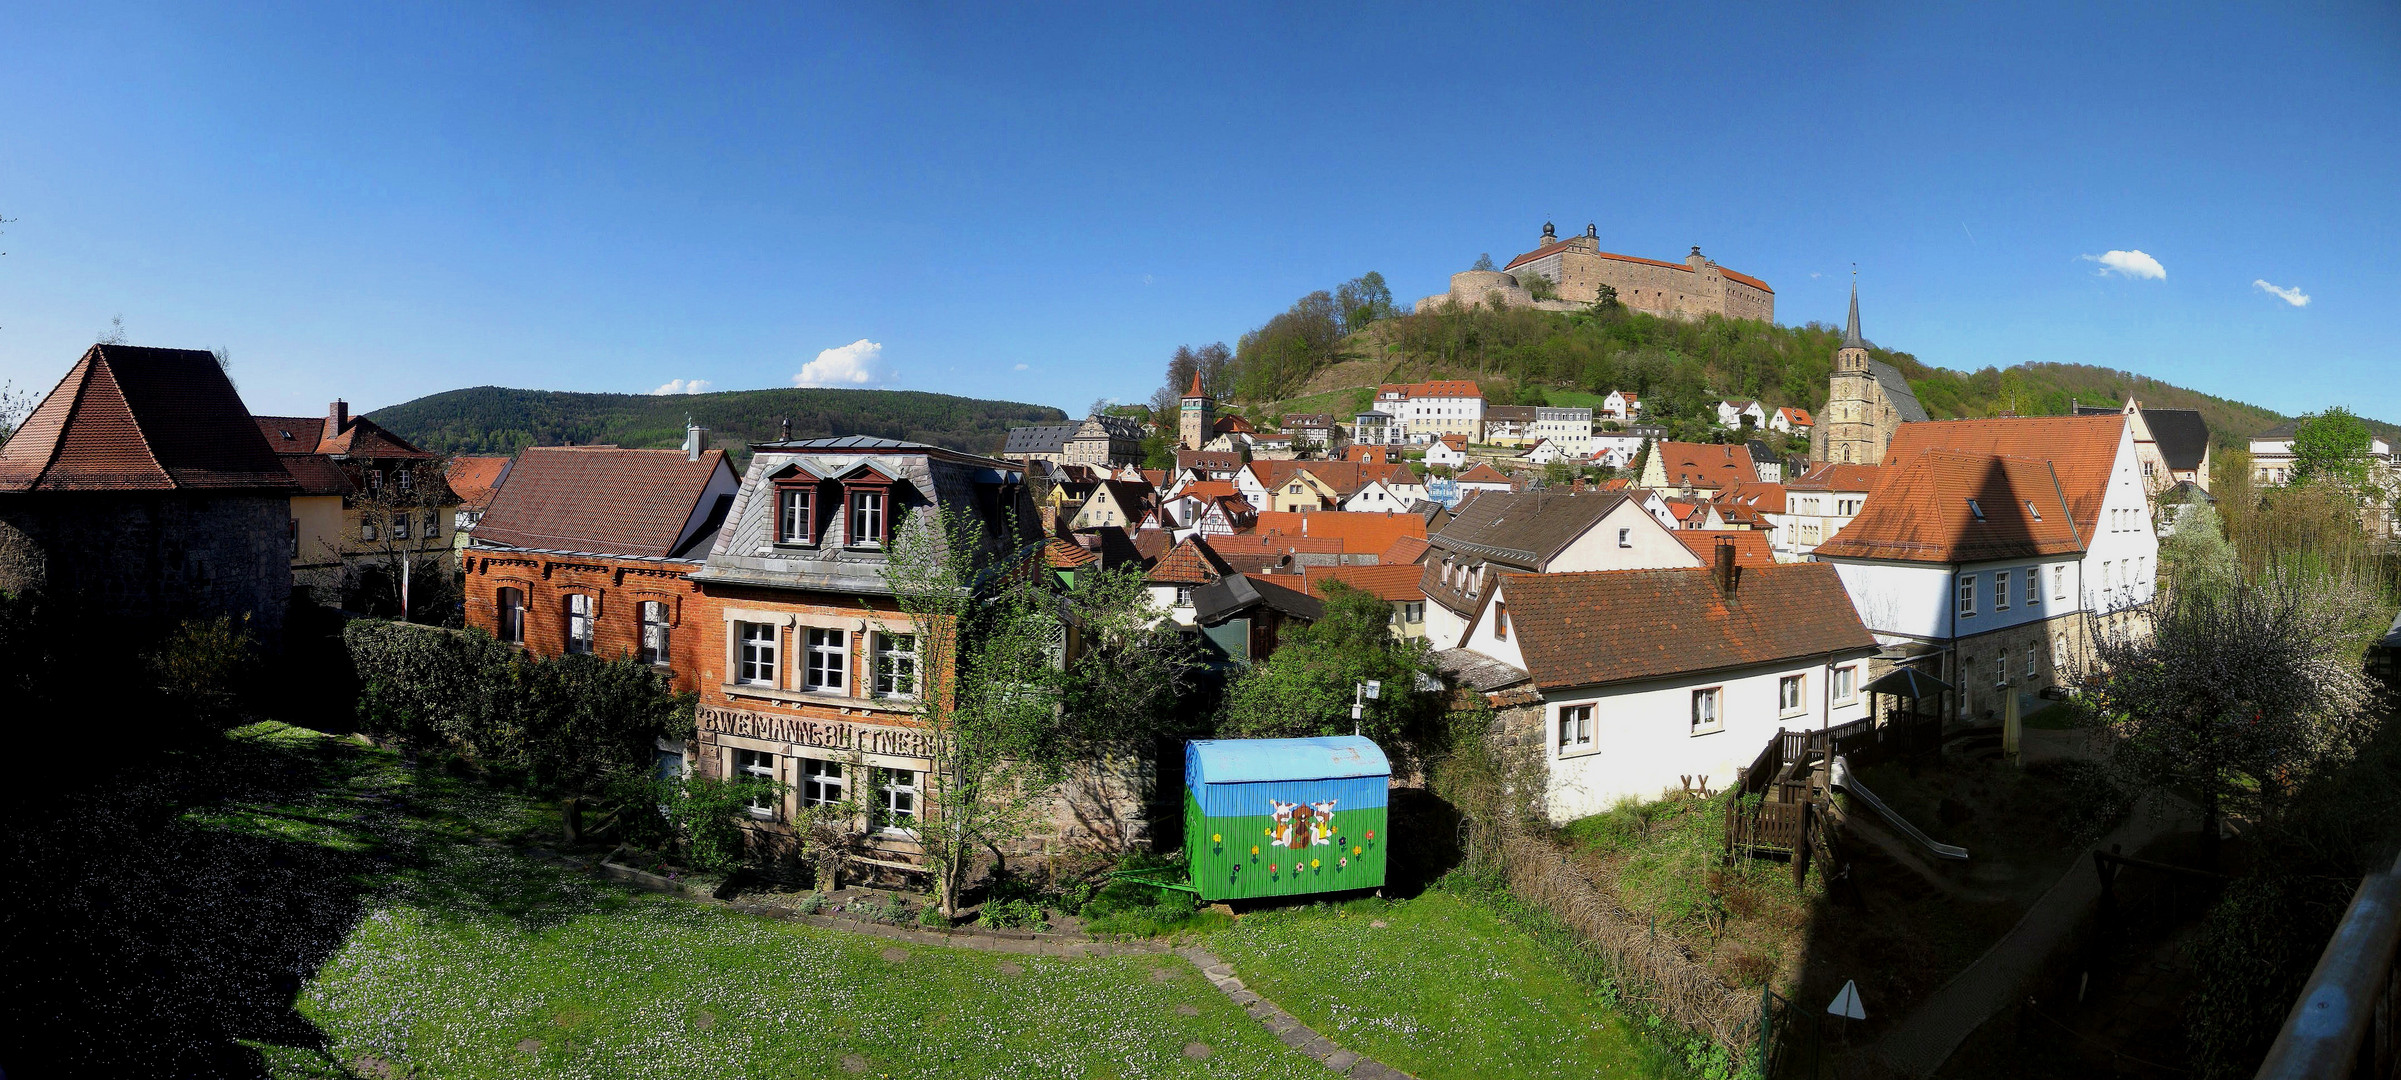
<point x="2182" y="435"/>
<point x="1237" y="593"/>
<point x="129" y="418"/>
<point x="1836" y="478"/>
<point x="1896" y="390"/>
<point x="1224" y="461"/>
<point x="2081" y="449"/>
<point x="1611" y="626"/>
<point x="1038" y="439"/>
<point x="1944" y="506"/>
<point x="1522" y="414"/>
<point x="603" y="501"/>
<point x="1524" y="529"/>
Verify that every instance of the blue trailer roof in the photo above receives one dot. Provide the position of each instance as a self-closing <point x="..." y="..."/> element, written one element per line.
<point x="1242" y="761"/>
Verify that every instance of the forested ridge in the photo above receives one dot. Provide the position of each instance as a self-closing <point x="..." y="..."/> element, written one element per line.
<point x="499" y="420"/>
<point x="1352" y="337"/>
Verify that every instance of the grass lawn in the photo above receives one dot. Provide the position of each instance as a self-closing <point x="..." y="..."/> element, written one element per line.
<point x="306" y="907"/>
<point x="1443" y="988"/>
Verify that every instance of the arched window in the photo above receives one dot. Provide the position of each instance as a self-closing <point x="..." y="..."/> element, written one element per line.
<point x="654" y="631"/>
<point x="512" y="616"/>
<point x="580" y="610"/>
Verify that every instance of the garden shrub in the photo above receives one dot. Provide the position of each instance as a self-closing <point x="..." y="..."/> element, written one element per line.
<point x="209" y="667"/>
<point x="709" y="814"/>
<point x="931" y="915"/>
<point x="812" y="904"/>
<point x="1014" y="915"/>
<point x="893" y="910"/>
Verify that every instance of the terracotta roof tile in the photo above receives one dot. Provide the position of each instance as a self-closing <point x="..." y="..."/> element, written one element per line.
<point x="477" y="478"/>
<point x="1837" y="478"/>
<point x="1394" y="583"/>
<point x="1442" y="388"/>
<point x="1060" y="555"/>
<point x="1188" y="563"/>
<point x="132" y="418"/>
<point x="1710" y="465"/>
<point x="1750" y="546"/>
<point x="1483" y="473"/>
<point x="2082" y="449"/>
<point x="1610" y="626"/>
<point x="620" y="502"/>
<point x="1407" y="549"/>
<point x="1946" y="507"/>
<point x="1358" y="533"/>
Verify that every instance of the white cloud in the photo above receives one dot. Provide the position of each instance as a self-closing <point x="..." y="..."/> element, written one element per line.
<point x="682" y="386"/>
<point x="1020" y="367"/>
<point x="2133" y="264"/>
<point x="855" y="364"/>
<point x="2293" y="296"/>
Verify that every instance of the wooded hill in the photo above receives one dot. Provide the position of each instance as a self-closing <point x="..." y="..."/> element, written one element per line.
<point x="1310" y="359"/>
<point x="498" y="420"/>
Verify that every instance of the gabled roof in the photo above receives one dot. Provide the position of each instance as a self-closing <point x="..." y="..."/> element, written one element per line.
<point x="2081" y="449"/>
<point x="1944" y="506"/>
<point x="1397" y="584"/>
<point x="1710" y="465"/>
<point x="1611" y="626"/>
<point x="1526" y="529"/>
<point x="1060" y="555"/>
<point x="1796" y="415"/>
<point x="129" y="418"/>
<point x="1484" y="473"/>
<point x="1358" y="533"/>
<point x="1253" y="552"/>
<point x="1225" y="461"/>
<point x="1523" y="414"/>
<point x="1407" y="549"/>
<point x="1235" y="594"/>
<point x="1038" y="439"/>
<point x="1441" y="388"/>
<point x="1308" y="420"/>
<point x="1188" y="563"/>
<point x="603" y="501"/>
<point x="1367" y="454"/>
<point x="2182" y="435"/>
<point x="1455" y="442"/>
<point x="1750" y="546"/>
<point x="1757" y="495"/>
<point x="1232" y="423"/>
<point x="1205" y="490"/>
<point x="1896" y="390"/>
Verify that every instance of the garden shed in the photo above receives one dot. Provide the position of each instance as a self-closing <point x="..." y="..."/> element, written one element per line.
<point x="1285" y="817"/>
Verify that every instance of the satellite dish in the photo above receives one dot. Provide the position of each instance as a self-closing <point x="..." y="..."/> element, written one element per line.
<point x="1846" y="1004"/>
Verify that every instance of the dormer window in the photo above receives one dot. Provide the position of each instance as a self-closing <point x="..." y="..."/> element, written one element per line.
<point x="796" y="513"/>
<point x="869" y="516"/>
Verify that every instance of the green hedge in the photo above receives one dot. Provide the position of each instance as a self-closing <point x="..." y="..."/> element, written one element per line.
<point x="561" y="723"/>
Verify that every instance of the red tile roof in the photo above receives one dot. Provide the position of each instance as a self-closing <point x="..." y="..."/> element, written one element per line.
<point x="1837" y="478"/>
<point x="1205" y="490"/>
<point x="1442" y="388"/>
<point x="2082" y="449"/>
<point x="1709" y="465"/>
<point x="1060" y="555"/>
<point x="1407" y="549"/>
<point x="1484" y="473"/>
<point x="1611" y="626"/>
<point x="1394" y="583"/>
<point x="1188" y="563"/>
<point x="1756" y="495"/>
<point x="1946" y="507"/>
<point x="1750" y="546"/>
<point x="1359" y="533"/>
<point x="477" y="478"/>
<point x="128" y="418"/>
<point x="607" y="501"/>
<point x="1794" y="415"/>
<point x="1253" y="552"/>
<point x="1371" y="455"/>
<point x="1455" y="442"/>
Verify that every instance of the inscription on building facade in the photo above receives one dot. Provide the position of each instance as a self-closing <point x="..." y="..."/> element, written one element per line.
<point x="807" y="731"/>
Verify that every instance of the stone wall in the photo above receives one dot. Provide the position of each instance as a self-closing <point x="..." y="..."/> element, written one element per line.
<point x="1690" y="291"/>
<point x="153" y="557"/>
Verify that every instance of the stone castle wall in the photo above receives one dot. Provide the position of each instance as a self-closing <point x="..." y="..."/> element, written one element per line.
<point x="1696" y="289"/>
<point x="153" y="557"/>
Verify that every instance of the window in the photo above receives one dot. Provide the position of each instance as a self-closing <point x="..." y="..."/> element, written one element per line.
<point x="512" y="616"/>
<point x="1975" y="509"/>
<point x="1625" y="538"/>
<point x="403" y="478"/>
<point x="1575" y="727"/>
<point x="1788" y="695"/>
<point x="828" y="652"/>
<point x="2034" y="584"/>
<point x="1500" y="622"/>
<point x="795" y="515"/>
<point x="1183" y="596"/>
<point x="1846" y="682"/>
<point x="653" y="615"/>
<point x="2059" y="582"/>
<point x="895" y="665"/>
<point x="2000" y="590"/>
<point x="1413" y="611"/>
<point x="2031" y="665"/>
<point x="366" y="529"/>
<point x="374" y="482"/>
<point x="400" y="526"/>
<point x="820" y="782"/>
<point x="579" y="623"/>
<point x="292" y="533"/>
<point x="754" y="664"/>
<point x="2000" y="674"/>
<point x="2034" y="510"/>
<point x="867" y="519"/>
<point x="1704" y="711"/>
<point x="757" y="765"/>
<point x="1967" y="594"/>
<point x="2059" y="651"/>
<point x="895" y="799"/>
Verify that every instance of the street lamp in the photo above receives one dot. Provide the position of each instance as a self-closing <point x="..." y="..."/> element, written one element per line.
<point x="1361" y="694"/>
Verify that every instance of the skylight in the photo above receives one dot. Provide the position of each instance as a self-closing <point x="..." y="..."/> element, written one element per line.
<point x="1975" y="509"/>
<point x="2034" y="510"/>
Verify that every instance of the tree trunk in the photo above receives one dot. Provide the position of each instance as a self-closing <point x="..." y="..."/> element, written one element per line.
<point x="2209" y="828"/>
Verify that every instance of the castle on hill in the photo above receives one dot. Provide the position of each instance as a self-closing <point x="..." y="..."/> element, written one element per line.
<point x="1577" y="268"/>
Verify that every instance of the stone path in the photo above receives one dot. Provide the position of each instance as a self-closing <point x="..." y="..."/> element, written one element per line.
<point x="1294" y="1034"/>
<point x="1925" y="1039"/>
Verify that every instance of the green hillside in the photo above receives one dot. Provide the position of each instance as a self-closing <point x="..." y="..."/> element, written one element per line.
<point x="1315" y="357"/>
<point x="498" y="420"/>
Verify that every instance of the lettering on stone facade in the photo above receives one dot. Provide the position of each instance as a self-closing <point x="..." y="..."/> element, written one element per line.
<point x="883" y="739"/>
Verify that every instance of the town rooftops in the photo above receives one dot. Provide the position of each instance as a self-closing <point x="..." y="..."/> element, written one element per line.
<point x="1359" y="533"/>
<point x="2081" y="449"/>
<point x="1750" y="545"/>
<point x="653" y="504"/>
<point x="1396" y="584"/>
<point x="1038" y="439"/>
<point x="1438" y="388"/>
<point x="1236" y="594"/>
<point x="1308" y="420"/>
<point x="1796" y="415"/>
<point x="1188" y="563"/>
<point x="1524" y="529"/>
<point x="1484" y="473"/>
<point x="1943" y="506"/>
<point x="130" y="418"/>
<point x="1896" y="390"/>
<point x="1613" y="626"/>
<point x="1834" y="477"/>
<point x="1710" y="465"/>
<point x="476" y="479"/>
<point x="1215" y="461"/>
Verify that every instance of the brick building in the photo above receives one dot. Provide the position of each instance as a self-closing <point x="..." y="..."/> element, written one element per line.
<point x="591" y="550"/>
<point x="140" y="489"/>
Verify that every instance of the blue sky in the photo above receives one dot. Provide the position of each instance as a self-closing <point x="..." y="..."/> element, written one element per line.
<point x="385" y="201"/>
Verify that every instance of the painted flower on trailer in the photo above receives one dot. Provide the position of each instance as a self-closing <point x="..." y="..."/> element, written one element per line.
<point x="1343" y="863"/>
<point x="1356" y="849"/>
<point x="1313" y="864"/>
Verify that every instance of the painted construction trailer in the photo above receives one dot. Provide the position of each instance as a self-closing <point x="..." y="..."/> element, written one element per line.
<point x="1285" y="817"/>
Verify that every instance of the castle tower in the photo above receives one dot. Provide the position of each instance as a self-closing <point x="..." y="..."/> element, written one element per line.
<point x="1857" y="423"/>
<point x="1200" y="414"/>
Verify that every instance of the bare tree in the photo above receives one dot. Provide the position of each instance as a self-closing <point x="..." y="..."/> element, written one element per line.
<point x="403" y="506"/>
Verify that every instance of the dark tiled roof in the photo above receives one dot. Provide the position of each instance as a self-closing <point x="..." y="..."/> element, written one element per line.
<point x="1308" y="420"/>
<point x="1038" y="439"/>
<point x="2182" y="435"/>
<point x="1949" y="507"/>
<point x="1224" y="461"/>
<point x="2081" y="449"/>
<point x="128" y="418"/>
<point x="1232" y="595"/>
<point x="1896" y="390"/>
<point x="1522" y="414"/>
<point x="1837" y="478"/>
<point x="1611" y="626"/>
<point x="1524" y="529"/>
<point x="317" y="474"/>
<point x="616" y="502"/>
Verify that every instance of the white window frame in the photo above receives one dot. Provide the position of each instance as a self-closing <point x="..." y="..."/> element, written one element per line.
<point x="653" y="628"/>
<point x="1183" y="596"/>
<point x="1575" y="729"/>
<point x="1792" y="695"/>
<point x="2059" y="581"/>
<point x="2000" y="590"/>
<point x="825" y="660"/>
<point x="2001" y="667"/>
<point x="867" y="506"/>
<point x="888" y="683"/>
<point x="758" y="764"/>
<point x="2033" y="663"/>
<point x="896" y="801"/>
<point x="756" y="649"/>
<point x="510" y="600"/>
<point x="583" y="621"/>
<point x="1846" y="682"/>
<point x="2034" y="585"/>
<point x="795" y="515"/>
<point x="1708" y="710"/>
<point x="1967" y="595"/>
<point x="822" y="782"/>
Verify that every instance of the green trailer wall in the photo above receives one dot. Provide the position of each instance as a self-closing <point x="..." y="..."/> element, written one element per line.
<point x="1237" y="856"/>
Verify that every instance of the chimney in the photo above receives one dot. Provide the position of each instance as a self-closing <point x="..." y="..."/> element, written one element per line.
<point x="338" y="415"/>
<point x="696" y="440"/>
<point x="787" y="430"/>
<point x="1729" y="576"/>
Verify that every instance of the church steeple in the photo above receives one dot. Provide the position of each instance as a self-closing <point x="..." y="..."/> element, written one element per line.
<point x="1850" y="334"/>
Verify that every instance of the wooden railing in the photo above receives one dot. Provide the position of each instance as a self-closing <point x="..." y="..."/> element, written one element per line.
<point x="2345" y="1023"/>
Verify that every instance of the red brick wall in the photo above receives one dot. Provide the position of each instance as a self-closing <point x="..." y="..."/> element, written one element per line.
<point x="617" y="585"/>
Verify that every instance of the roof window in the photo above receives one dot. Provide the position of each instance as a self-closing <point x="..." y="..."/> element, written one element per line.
<point x="1975" y="509"/>
<point x="2034" y="510"/>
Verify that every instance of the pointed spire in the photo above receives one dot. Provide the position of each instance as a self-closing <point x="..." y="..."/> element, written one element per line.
<point x="1196" y="386"/>
<point x="1850" y="334"/>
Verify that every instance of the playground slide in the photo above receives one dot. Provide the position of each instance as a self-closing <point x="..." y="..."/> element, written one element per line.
<point x="1850" y="784"/>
